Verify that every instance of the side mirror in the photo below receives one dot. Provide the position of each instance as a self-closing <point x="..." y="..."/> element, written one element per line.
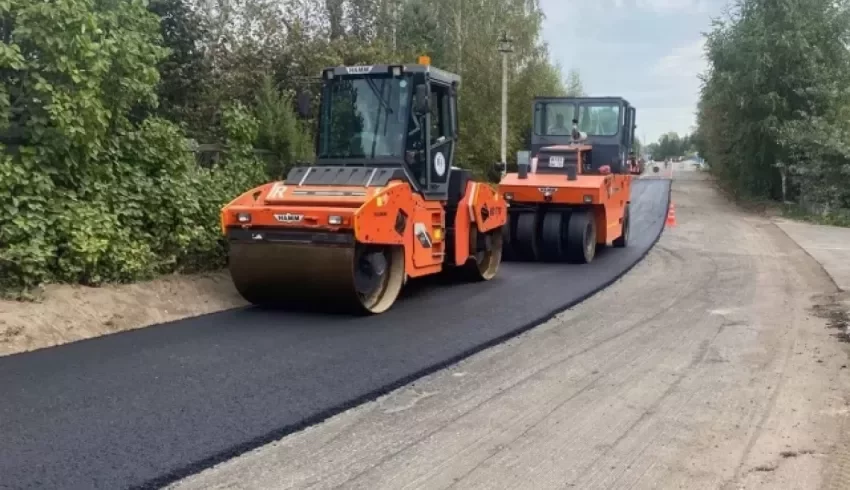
<point x="421" y="104"/>
<point x="304" y="103"/>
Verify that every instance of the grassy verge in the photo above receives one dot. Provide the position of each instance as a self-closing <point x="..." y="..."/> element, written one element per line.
<point x="796" y="212"/>
<point x="791" y="211"/>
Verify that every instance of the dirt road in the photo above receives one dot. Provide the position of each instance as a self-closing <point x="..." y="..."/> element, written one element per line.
<point x="705" y="367"/>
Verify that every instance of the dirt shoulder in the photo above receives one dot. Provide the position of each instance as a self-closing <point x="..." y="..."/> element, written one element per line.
<point x="66" y="313"/>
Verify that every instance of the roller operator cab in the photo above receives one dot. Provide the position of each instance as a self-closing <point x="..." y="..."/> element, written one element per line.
<point x="572" y="194"/>
<point x="382" y="203"/>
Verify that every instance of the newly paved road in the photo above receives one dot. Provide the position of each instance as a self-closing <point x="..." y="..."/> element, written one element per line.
<point x="706" y="367"/>
<point x="149" y="406"/>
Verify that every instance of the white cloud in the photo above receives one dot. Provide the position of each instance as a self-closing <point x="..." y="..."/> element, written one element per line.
<point x="653" y="122"/>
<point x="683" y="61"/>
<point x="671" y="102"/>
<point x="667" y="6"/>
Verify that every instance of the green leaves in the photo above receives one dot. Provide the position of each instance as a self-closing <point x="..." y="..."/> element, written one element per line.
<point x="775" y="104"/>
<point x="90" y="196"/>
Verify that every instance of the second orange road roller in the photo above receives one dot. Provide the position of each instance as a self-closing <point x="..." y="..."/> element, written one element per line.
<point x="573" y="194"/>
<point x="382" y="202"/>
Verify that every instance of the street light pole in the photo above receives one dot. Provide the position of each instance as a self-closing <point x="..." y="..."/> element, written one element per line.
<point x="505" y="48"/>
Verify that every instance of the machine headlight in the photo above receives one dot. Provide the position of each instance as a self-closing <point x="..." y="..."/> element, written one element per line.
<point x="509" y="196"/>
<point x="335" y="220"/>
<point x="243" y="217"/>
<point x="588" y="199"/>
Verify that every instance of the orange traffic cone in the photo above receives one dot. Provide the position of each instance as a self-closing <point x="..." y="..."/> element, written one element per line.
<point x="671" y="215"/>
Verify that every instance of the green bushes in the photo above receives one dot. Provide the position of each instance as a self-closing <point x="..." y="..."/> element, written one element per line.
<point x="86" y="195"/>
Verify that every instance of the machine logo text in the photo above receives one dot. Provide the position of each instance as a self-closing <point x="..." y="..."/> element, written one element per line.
<point x="289" y="217"/>
<point x="358" y="70"/>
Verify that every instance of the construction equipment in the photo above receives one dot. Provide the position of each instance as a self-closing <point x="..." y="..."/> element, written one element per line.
<point x="382" y="203"/>
<point x="575" y="195"/>
<point x="635" y="164"/>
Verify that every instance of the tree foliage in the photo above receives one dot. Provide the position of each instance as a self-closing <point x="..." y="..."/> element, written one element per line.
<point x="574" y="86"/>
<point x="102" y="100"/>
<point x="671" y="145"/>
<point x="86" y="194"/>
<point x="773" y="113"/>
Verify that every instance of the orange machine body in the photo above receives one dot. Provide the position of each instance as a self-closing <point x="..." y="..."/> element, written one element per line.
<point x="390" y="215"/>
<point x="383" y="202"/>
<point x="605" y="193"/>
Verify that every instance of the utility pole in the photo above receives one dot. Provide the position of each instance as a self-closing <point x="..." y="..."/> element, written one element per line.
<point x="505" y="48"/>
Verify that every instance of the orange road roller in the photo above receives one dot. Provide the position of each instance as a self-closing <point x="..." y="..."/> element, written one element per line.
<point x="572" y="195"/>
<point x="382" y="202"/>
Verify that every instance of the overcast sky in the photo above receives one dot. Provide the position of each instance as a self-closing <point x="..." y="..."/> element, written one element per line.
<point x="647" y="51"/>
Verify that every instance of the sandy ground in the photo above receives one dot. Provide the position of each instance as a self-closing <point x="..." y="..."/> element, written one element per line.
<point x="710" y="365"/>
<point x="68" y="313"/>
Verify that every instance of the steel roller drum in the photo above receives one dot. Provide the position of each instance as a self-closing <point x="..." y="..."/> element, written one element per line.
<point x="303" y="276"/>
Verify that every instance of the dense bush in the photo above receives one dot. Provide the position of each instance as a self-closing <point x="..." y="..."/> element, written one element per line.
<point x="87" y="195"/>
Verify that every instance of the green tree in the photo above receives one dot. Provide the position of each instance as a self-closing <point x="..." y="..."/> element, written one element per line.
<point x="772" y="115"/>
<point x="184" y="71"/>
<point x="575" y="88"/>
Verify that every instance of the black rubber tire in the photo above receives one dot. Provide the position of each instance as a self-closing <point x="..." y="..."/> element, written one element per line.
<point x="508" y="238"/>
<point x="553" y="236"/>
<point x="581" y="237"/>
<point x="623" y="240"/>
<point x="526" y="236"/>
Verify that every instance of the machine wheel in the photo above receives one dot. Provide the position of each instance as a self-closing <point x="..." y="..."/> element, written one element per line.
<point x="623" y="240"/>
<point x="553" y="236"/>
<point x="508" y="251"/>
<point x="581" y="237"/>
<point x="526" y="244"/>
<point x="487" y="261"/>
<point x="358" y="279"/>
<point x="378" y="276"/>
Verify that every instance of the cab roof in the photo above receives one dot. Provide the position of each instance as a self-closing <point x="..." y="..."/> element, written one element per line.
<point x="582" y="99"/>
<point x="435" y="73"/>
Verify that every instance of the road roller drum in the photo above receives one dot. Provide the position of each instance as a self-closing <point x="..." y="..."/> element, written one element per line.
<point x="331" y="277"/>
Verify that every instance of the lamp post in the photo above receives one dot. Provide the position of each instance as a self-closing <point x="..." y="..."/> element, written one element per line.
<point x="505" y="47"/>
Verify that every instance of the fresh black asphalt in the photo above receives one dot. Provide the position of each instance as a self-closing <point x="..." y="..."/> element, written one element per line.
<point x="146" y="407"/>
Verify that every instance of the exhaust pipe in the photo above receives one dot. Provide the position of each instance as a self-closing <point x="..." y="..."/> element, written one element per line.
<point x="522" y="170"/>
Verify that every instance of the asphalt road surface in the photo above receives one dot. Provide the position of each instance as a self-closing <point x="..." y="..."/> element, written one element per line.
<point x="146" y="407"/>
<point x="704" y="368"/>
